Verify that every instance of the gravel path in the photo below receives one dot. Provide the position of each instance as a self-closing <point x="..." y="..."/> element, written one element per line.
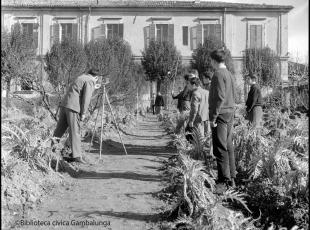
<point x="116" y="193"/>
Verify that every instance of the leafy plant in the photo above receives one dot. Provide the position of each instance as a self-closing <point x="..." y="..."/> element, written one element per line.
<point x="17" y="56"/>
<point x="158" y="59"/>
<point x="64" y="62"/>
<point x="202" y="56"/>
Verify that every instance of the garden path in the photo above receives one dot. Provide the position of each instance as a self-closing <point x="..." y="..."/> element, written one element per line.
<point x="119" y="189"/>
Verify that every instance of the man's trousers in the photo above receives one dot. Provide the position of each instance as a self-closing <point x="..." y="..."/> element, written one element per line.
<point x="255" y="116"/>
<point x="182" y="122"/>
<point x="70" y="119"/>
<point x="223" y="148"/>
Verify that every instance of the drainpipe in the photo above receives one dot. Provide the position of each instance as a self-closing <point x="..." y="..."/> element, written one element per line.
<point x="87" y="24"/>
<point x="41" y="47"/>
<point x="224" y="26"/>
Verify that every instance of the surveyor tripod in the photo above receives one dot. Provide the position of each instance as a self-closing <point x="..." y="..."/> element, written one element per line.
<point x="105" y="98"/>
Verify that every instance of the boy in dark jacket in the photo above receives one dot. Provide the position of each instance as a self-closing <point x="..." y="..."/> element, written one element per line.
<point x="221" y="116"/>
<point x="185" y="99"/>
<point x="159" y="104"/>
<point x="254" y="102"/>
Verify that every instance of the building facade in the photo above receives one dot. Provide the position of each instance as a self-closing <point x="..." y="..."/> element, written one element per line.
<point x="184" y="23"/>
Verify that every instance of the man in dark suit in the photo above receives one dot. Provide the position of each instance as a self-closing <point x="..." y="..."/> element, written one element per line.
<point x="159" y="104"/>
<point x="73" y="109"/>
<point x="184" y="100"/>
<point x="254" y="102"/>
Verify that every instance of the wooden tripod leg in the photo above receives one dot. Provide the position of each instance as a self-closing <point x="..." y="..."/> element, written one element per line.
<point x="116" y="124"/>
<point x="102" y="116"/>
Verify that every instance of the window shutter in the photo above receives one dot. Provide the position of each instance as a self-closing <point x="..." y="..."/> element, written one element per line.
<point x="35" y="34"/>
<point x="54" y="33"/>
<point x="51" y="35"/>
<point x="199" y="34"/>
<point x="146" y="31"/>
<point x="103" y="30"/>
<point x="121" y="30"/>
<point x="152" y="32"/>
<point x="75" y="32"/>
<point x="193" y="33"/>
<point x="252" y="36"/>
<point x="96" y="32"/>
<point x="92" y="33"/>
<point x="191" y="38"/>
<point x="259" y="34"/>
<point x="185" y="35"/>
<point x="171" y="33"/>
<point x="218" y="31"/>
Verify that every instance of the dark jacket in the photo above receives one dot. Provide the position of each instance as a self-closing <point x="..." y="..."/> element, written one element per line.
<point x="183" y="99"/>
<point x="254" y="98"/>
<point x="159" y="101"/>
<point x="79" y="94"/>
<point x="222" y="94"/>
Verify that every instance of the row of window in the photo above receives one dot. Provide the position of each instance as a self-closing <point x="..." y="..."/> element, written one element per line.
<point x="159" y="32"/>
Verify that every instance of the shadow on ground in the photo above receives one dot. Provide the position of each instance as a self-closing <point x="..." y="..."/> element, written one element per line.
<point x="117" y="175"/>
<point x="127" y="215"/>
<point x="111" y="147"/>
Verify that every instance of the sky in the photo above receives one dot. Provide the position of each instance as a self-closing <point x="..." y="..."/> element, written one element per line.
<point x="298" y="23"/>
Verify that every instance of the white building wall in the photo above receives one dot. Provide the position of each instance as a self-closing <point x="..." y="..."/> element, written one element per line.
<point x="235" y="28"/>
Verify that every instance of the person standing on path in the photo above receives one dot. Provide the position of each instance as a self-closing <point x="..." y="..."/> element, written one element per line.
<point x="159" y="104"/>
<point x="221" y="115"/>
<point x="206" y="80"/>
<point x="185" y="98"/>
<point x="199" y="112"/>
<point x="73" y="109"/>
<point x="179" y="98"/>
<point x="254" y="102"/>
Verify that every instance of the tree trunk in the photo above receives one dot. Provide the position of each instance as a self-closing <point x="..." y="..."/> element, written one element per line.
<point x="8" y="91"/>
<point x="158" y="86"/>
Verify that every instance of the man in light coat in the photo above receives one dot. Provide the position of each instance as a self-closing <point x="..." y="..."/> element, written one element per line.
<point x="198" y="117"/>
<point x="73" y="109"/>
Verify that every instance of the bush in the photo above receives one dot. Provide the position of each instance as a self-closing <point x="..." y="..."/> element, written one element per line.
<point x="264" y="63"/>
<point x="17" y="57"/>
<point x="158" y="59"/>
<point x="113" y="58"/>
<point x="64" y="62"/>
<point x="202" y="59"/>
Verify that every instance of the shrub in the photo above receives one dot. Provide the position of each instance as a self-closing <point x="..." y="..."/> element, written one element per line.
<point x="158" y="59"/>
<point x="64" y="62"/>
<point x="264" y="63"/>
<point x="17" y="57"/>
<point x="202" y="59"/>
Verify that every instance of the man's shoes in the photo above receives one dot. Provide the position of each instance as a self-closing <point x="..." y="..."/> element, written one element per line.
<point x="79" y="160"/>
<point x="75" y="159"/>
<point x="68" y="159"/>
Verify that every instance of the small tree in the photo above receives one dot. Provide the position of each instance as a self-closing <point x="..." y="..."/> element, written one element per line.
<point x="264" y="63"/>
<point x="17" y="56"/>
<point x="64" y="63"/>
<point x="158" y="59"/>
<point x="201" y="59"/>
<point x="113" y="58"/>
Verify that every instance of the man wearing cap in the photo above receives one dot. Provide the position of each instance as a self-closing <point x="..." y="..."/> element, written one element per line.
<point x="73" y="109"/>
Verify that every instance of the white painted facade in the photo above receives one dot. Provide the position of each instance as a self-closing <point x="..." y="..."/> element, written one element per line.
<point x="235" y="26"/>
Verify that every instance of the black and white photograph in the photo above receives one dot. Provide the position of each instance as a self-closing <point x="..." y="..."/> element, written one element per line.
<point x="155" y="114"/>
